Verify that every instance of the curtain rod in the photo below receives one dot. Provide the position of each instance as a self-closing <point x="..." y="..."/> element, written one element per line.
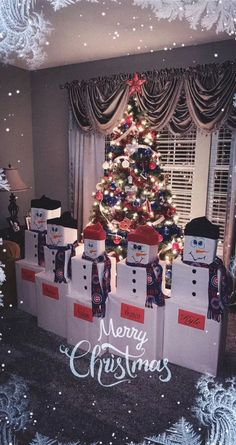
<point x="153" y="72"/>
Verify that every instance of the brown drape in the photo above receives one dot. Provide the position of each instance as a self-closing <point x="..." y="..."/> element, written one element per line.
<point x="178" y="99"/>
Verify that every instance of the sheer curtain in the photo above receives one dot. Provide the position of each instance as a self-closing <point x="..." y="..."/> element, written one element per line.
<point x="86" y="156"/>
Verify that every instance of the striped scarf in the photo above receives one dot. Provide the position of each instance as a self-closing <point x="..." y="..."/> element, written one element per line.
<point x="59" y="271"/>
<point x="218" y="293"/>
<point x="100" y="293"/>
<point x="154" y="282"/>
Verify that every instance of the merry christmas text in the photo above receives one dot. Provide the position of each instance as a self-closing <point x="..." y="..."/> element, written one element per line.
<point x="120" y="364"/>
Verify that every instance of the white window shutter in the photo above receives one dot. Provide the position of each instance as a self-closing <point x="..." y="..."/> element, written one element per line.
<point x="219" y="178"/>
<point x="178" y="160"/>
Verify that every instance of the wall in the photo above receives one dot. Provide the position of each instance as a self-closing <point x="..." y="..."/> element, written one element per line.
<point x="16" y="144"/>
<point x="50" y="106"/>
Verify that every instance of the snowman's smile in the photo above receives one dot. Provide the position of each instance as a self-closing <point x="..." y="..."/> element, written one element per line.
<point x="136" y="261"/>
<point x="39" y="224"/>
<point x="197" y="259"/>
<point x="54" y="241"/>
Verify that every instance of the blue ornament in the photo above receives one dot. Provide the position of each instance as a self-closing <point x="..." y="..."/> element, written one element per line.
<point x="136" y="203"/>
<point x="111" y="201"/>
<point x="175" y="230"/>
<point x="166" y="231"/>
<point x="112" y="186"/>
<point x="154" y="205"/>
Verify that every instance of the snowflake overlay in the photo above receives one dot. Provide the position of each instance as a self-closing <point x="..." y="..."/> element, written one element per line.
<point x="204" y="13"/>
<point x="13" y="409"/>
<point x="3" y="186"/>
<point x="3" y="181"/>
<point x="58" y="4"/>
<point x="219" y="13"/>
<point x="163" y="9"/>
<point x="215" y="409"/>
<point x="24" y="31"/>
<point x="2" y="278"/>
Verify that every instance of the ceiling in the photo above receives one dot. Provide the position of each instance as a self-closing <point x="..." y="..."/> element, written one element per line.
<point x="89" y="31"/>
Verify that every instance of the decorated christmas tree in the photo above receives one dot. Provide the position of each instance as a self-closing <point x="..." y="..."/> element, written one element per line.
<point x="134" y="189"/>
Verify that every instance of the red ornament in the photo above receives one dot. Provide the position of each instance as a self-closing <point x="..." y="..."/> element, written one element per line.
<point x="99" y="195"/>
<point x="117" y="239"/>
<point x="125" y="224"/>
<point x="135" y="85"/>
<point x="170" y="211"/>
<point x="152" y="165"/>
<point x="160" y="237"/>
<point x="175" y="246"/>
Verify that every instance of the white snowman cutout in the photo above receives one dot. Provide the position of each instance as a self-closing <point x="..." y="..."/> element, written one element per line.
<point x="201" y="238"/>
<point x="143" y="245"/>
<point x="35" y="237"/>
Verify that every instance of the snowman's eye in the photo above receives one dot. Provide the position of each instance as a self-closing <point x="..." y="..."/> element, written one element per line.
<point x="194" y="243"/>
<point x="37" y="213"/>
<point x="139" y="247"/>
<point x="40" y="215"/>
<point x="52" y="229"/>
<point x="201" y="243"/>
<point x="135" y="246"/>
<point x="90" y="245"/>
<point x="56" y="229"/>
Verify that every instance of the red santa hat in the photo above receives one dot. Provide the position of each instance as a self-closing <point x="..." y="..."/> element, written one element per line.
<point x="145" y="235"/>
<point x="95" y="232"/>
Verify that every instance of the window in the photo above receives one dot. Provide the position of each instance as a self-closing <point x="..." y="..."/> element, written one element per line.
<point x="198" y="168"/>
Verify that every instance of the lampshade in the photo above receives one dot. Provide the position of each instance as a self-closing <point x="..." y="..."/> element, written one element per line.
<point x="13" y="177"/>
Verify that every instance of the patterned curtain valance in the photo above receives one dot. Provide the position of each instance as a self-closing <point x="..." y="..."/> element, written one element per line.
<point x="177" y="99"/>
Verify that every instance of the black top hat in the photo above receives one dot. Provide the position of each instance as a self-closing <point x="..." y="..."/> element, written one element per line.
<point x="65" y="220"/>
<point x="202" y="227"/>
<point x="45" y="203"/>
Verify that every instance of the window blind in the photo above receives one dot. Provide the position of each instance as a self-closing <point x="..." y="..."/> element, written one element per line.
<point x="219" y="178"/>
<point x="178" y="161"/>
